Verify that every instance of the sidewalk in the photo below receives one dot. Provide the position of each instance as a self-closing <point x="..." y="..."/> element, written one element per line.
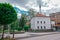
<point x="30" y="34"/>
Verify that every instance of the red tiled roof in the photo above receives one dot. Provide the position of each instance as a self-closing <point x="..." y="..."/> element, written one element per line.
<point x="40" y="15"/>
<point x="53" y="19"/>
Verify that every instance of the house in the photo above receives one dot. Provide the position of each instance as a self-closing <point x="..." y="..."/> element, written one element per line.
<point x="56" y="17"/>
<point x="40" y="22"/>
<point x="53" y="23"/>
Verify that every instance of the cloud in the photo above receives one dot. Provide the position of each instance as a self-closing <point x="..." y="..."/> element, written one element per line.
<point x="18" y="15"/>
<point x="21" y="8"/>
<point x="2" y="1"/>
<point x="32" y="4"/>
<point x="15" y="2"/>
<point x="18" y="2"/>
<point x="50" y="5"/>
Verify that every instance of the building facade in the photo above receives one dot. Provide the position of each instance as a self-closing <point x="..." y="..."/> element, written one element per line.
<point x="56" y="18"/>
<point x="41" y="22"/>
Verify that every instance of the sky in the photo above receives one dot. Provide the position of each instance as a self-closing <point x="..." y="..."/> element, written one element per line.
<point x="48" y="6"/>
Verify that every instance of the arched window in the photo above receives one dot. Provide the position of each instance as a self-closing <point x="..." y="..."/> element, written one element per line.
<point x="38" y="27"/>
<point x="44" y="22"/>
<point x="41" y="22"/>
<point x="37" y="21"/>
<point x="44" y="27"/>
<point x="41" y="27"/>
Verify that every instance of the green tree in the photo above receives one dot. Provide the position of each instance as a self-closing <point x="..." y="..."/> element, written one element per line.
<point x="14" y="27"/>
<point x="7" y="15"/>
<point x="22" y="20"/>
<point x="26" y="27"/>
<point x="32" y="13"/>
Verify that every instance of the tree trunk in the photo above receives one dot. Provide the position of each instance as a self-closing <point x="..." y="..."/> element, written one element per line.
<point x="2" y="33"/>
<point x="13" y="33"/>
<point x="8" y="35"/>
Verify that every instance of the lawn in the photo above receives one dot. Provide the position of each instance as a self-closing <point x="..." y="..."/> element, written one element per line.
<point x="8" y="39"/>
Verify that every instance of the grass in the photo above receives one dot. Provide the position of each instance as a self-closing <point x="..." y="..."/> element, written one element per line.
<point x="8" y="38"/>
<point x="5" y="31"/>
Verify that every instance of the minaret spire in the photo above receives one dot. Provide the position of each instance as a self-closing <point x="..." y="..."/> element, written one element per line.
<point x="39" y="3"/>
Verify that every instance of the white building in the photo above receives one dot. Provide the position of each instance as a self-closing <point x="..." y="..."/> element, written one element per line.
<point x="41" y="22"/>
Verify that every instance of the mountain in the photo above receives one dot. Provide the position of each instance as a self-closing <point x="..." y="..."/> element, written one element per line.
<point x="21" y="11"/>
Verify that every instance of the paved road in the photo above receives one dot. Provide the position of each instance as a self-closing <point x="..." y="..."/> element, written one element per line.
<point x="36" y="36"/>
<point x="29" y="34"/>
<point x="45" y="37"/>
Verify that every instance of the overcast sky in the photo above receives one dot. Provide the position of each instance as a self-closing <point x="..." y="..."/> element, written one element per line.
<point x="48" y="6"/>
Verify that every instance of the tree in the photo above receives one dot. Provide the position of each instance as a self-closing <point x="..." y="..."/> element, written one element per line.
<point x="32" y="13"/>
<point x="7" y="15"/>
<point x="22" y="20"/>
<point x="26" y="27"/>
<point x="14" y="25"/>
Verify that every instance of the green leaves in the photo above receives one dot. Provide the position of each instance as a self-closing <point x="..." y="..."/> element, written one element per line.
<point x="22" y="20"/>
<point x="7" y="14"/>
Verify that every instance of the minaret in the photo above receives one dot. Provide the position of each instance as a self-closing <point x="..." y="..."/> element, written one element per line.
<point x="39" y="3"/>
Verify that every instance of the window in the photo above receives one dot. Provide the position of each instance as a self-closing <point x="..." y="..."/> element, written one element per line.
<point x="38" y="27"/>
<point x="44" y="27"/>
<point x="44" y="22"/>
<point x="37" y="21"/>
<point x="41" y="22"/>
<point x="41" y="27"/>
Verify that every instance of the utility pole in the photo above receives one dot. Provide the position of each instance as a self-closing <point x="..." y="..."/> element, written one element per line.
<point x="39" y="3"/>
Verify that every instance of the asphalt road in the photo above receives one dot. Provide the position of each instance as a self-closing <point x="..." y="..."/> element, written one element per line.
<point x="45" y="37"/>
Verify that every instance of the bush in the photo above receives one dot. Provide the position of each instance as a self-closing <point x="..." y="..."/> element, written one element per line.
<point x="26" y="28"/>
<point x="19" y="28"/>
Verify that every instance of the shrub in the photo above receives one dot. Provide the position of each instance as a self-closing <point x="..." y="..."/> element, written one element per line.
<point x="26" y="28"/>
<point x="19" y="28"/>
